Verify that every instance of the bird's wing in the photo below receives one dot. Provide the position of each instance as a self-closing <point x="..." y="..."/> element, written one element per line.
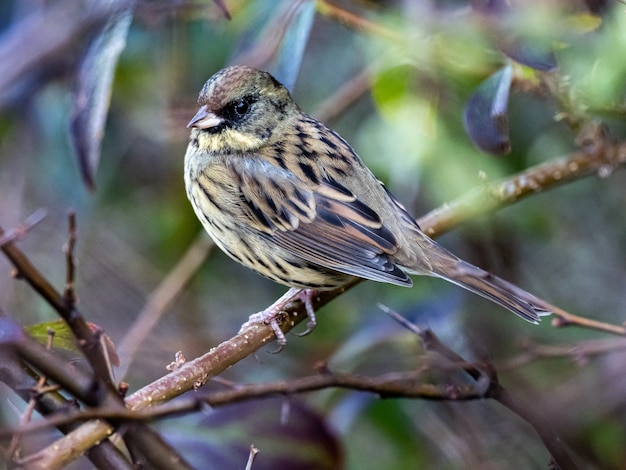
<point x="323" y="223"/>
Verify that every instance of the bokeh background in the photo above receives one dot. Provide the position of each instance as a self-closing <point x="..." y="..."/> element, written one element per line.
<point x="393" y="78"/>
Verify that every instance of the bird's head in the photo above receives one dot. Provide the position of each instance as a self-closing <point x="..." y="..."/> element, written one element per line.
<point x="241" y="110"/>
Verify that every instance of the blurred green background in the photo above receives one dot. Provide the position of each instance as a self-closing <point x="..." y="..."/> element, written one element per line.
<point x="412" y="67"/>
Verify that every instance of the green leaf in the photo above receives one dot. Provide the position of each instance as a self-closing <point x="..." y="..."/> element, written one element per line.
<point x="64" y="338"/>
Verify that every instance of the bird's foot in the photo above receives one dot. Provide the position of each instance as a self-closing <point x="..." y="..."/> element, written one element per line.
<point x="271" y="314"/>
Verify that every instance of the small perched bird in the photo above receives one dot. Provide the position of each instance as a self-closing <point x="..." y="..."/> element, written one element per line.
<point x="286" y="196"/>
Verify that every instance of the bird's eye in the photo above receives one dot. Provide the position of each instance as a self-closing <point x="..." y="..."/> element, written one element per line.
<point x="241" y="107"/>
<point x="237" y="110"/>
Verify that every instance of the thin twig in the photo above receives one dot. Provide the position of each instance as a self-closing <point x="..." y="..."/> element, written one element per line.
<point x="160" y="300"/>
<point x="153" y="451"/>
<point x="432" y="343"/>
<point x="251" y="457"/>
<point x="69" y="294"/>
<point x="562" y="319"/>
<point x="352" y="20"/>
<point x="407" y="384"/>
<point x="580" y="352"/>
<point x="345" y="96"/>
<point x="20" y="231"/>
<point x="87" y="341"/>
<point x="22" y="379"/>
<point x="32" y="403"/>
<point x="51" y="363"/>
<point x="540" y="424"/>
<point x="497" y="392"/>
<point x="600" y="159"/>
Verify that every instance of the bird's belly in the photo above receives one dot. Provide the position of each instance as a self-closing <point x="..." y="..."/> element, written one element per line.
<point x="252" y="248"/>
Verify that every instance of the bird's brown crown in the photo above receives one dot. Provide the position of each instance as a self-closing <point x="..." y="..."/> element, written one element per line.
<point x="237" y="81"/>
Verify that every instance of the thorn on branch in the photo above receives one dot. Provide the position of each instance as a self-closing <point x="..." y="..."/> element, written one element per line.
<point x="122" y="389"/>
<point x="179" y="360"/>
<point x="321" y="367"/>
<point x="560" y="322"/>
<point x="51" y="334"/>
<point x="251" y="457"/>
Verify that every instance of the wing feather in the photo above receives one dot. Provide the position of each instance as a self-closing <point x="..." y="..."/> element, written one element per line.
<point x="324" y="222"/>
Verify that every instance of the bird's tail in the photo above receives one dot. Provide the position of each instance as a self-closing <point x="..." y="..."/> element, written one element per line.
<point x="485" y="284"/>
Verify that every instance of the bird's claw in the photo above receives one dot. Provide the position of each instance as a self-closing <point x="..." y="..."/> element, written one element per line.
<point x="270" y="315"/>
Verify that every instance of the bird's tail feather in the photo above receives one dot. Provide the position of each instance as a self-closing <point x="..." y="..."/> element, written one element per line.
<point x="485" y="284"/>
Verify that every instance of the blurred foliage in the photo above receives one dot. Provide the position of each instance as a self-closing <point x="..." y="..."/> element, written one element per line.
<point x="275" y="429"/>
<point x="423" y="61"/>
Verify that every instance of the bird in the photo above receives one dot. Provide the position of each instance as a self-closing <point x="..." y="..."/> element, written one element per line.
<point x="286" y="196"/>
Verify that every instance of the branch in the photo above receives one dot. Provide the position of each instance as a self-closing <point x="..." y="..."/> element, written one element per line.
<point x="344" y="96"/>
<point x="161" y="299"/>
<point x="21" y="231"/>
<point x="23" y="380"/>
<point x="406" y="384"/>
<point x="580" y="353"/>
<point x="79" y="385"/>
<point x="37" y="390"/>
<point x="87" y="341"/>
<point x="69" y="293"/>
<point x="496" y="391"/>
<point x="357" y="22"/>
<point x="540" y="424"/>
<point x="604" y="155"/>
<point x="149" y="450"/>
<point x="599" y="158"/>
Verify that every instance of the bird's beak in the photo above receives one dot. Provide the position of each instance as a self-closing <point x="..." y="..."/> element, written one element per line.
<point x="204" y="119"/>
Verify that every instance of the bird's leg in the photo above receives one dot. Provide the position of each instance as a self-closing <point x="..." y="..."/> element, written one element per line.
<point x="270" y="314"/>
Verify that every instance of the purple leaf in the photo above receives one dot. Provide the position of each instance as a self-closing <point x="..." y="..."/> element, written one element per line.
<point x="280" y="45"/>
<point x="529" y="53"/>
<point x="294" y="436"/>
<point x="291" y="50"/>
<point x="485" y="116"/>
<point x="92" y="92"/>
<point x="10" y="332"/>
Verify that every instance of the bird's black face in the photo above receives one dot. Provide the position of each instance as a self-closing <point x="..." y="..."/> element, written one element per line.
<point x="241" y="109"/>
<point x="236" y="113"/>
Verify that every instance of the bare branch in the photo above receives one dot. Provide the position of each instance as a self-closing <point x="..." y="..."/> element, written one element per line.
<point x="39" y="389"/>
<point x="580" y="352"/>
<point x="87" y="341"/>
<point x="150" y="450"/>
<point x="482" y="200"/>
<point x="69" y="294"/>
<point x="358" y="22"/>
<point x="160" y="300"/>
<point x="23" y="380"/>
<point x="251" y="457"/>
<point x="409" y="384"/>
<point x="21" y="231"/>
<point x="601" y="158"/>
<point x="345" y="96"/>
